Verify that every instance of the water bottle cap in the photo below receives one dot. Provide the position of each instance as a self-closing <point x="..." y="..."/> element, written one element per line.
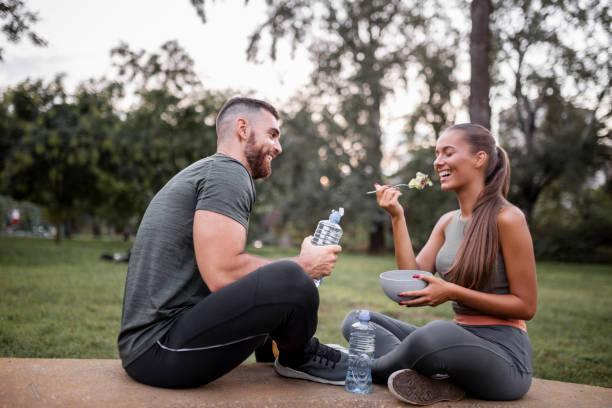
<point x="364" y="315"/>
<point x="336" y="215"/>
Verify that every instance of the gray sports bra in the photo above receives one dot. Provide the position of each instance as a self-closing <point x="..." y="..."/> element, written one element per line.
<point x="454" y="232"/>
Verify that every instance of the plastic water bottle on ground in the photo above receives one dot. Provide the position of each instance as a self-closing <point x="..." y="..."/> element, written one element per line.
<point x="328" y="232"/>
<point x="361" y="352"/>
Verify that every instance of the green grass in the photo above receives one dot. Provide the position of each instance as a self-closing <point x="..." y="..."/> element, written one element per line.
<point x="63" y="301"/>
<point x="59" y="300"/>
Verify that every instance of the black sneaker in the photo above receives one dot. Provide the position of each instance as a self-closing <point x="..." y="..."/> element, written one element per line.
<point x="265" y="352"/>
<point x="319" y="363"/>
<point x="414" y="388"/>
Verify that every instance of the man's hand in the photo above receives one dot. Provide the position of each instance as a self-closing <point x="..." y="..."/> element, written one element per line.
<point x="318" y="261"/>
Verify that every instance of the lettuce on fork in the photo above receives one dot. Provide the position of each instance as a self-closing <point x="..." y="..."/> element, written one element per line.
<point x="420" y="181"/>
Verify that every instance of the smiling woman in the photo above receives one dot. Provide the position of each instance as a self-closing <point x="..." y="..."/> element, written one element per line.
<point x="484" y="255"/>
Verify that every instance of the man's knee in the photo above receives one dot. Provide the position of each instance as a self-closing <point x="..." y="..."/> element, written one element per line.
<point x="288" y="277"/>
<point x="291" y="272"/>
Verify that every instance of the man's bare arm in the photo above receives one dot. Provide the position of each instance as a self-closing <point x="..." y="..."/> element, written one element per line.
<point x="219" y="248"/>
<point x="219" y="243"/>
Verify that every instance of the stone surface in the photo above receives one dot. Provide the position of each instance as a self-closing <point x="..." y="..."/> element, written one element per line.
<point x="103" y="383"/>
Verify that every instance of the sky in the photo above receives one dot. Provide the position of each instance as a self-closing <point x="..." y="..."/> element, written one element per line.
<point x="80" y="35"/>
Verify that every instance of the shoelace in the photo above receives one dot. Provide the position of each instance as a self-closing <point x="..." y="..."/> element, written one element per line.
<point x="325" y="354"/>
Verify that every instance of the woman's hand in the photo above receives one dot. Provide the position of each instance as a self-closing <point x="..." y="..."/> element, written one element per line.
<point x="387" y="198"/>
<point x="435" y="293"/>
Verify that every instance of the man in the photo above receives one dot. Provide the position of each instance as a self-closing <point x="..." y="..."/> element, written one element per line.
<point x="195" y="305"/>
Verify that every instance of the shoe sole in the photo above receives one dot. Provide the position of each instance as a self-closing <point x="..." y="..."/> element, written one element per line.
<point x="291" y="373"/>
<point x="417" y="389"/>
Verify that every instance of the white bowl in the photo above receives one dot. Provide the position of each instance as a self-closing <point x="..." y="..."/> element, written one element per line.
<point x="401" y="280"/>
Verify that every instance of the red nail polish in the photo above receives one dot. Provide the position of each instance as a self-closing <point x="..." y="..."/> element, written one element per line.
<point x="400" y="295"/>
<point x="416" y="276"/>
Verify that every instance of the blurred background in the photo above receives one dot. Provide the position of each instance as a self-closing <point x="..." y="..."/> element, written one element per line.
<point x="101" y="103"/>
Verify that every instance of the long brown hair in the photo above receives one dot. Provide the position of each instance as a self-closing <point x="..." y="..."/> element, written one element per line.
<point x="477" y="256"/>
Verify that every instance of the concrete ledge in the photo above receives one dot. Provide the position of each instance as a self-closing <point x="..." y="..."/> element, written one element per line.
<point x="103" y="383"/>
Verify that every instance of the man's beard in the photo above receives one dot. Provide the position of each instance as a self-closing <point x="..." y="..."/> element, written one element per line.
<point x="257" y="159"/>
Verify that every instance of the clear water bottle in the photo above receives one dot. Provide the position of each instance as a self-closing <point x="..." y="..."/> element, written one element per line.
<point x="328" y="232"/>
<point x="361" y="352"/>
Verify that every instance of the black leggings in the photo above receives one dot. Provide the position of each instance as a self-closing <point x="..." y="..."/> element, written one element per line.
<point x="489" y="362"/>
<point x="223" y="329"/>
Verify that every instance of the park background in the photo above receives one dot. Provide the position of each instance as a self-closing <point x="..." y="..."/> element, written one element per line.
<point x="364" y="89"/>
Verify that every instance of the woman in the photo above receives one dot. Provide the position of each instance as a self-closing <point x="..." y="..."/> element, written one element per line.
<point x="484" y="255"/>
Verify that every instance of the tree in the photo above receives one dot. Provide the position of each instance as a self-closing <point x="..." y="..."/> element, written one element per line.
<point x="171" y="69"/>
<point x="55" y="147"/>
<point x="304" y="183"/>
<point x="564" y="149"/>
<point x="550" y="130"/>
<point x="573" y="225"/>
<point x="105" y="199"/>
<point x="362" y="50"/>
<point x="78" y="154"/>
<point x="437" y="64"/>
<point x="16" y="22"/>
<point x="171" y="125"/>
<point x="480" y="58"/>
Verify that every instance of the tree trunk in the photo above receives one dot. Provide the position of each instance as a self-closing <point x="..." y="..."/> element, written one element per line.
<point x="377" y="237"/>
<point x="96" y="229"/>
<point x="480" y="45"/>
<point x="68" y="228"/>
<point x="377" y="229"/>
<point x="58" y="231"/>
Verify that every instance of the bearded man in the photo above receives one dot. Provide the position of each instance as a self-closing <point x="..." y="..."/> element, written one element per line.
<point x="195" y="304"/>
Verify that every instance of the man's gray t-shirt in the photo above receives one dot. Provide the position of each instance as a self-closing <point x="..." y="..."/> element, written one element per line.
<point x="163" y="277"/>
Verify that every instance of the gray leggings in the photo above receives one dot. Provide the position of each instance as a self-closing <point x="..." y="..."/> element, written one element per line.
<point x="488" y="362"/>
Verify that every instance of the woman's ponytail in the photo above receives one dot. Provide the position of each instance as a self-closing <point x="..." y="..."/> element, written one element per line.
<point x="477" y="256"/>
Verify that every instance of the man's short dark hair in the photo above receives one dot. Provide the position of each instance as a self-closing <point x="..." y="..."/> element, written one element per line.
<point x="250" y="104"/>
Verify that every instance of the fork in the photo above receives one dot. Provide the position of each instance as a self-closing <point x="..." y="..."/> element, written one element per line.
<point x="397" y="185"/>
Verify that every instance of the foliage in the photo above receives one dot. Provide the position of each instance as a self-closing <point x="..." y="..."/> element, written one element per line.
<point x="170" y="70"/>
<point x="564" y="149"/>
<point x="79" y="154"/>
<point x="157" y="139"/>
<point x="55" y="145"/>
<point x="304" y="182"/>
<point x="550" y="131"/>
<point x="362" y="51"/>
<point x="436" y="112"/>
<point x="557" y="133"/>
<point x="573" y="225"/>
<point x="171" y="126"/>
<point x="16" y="22"/>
